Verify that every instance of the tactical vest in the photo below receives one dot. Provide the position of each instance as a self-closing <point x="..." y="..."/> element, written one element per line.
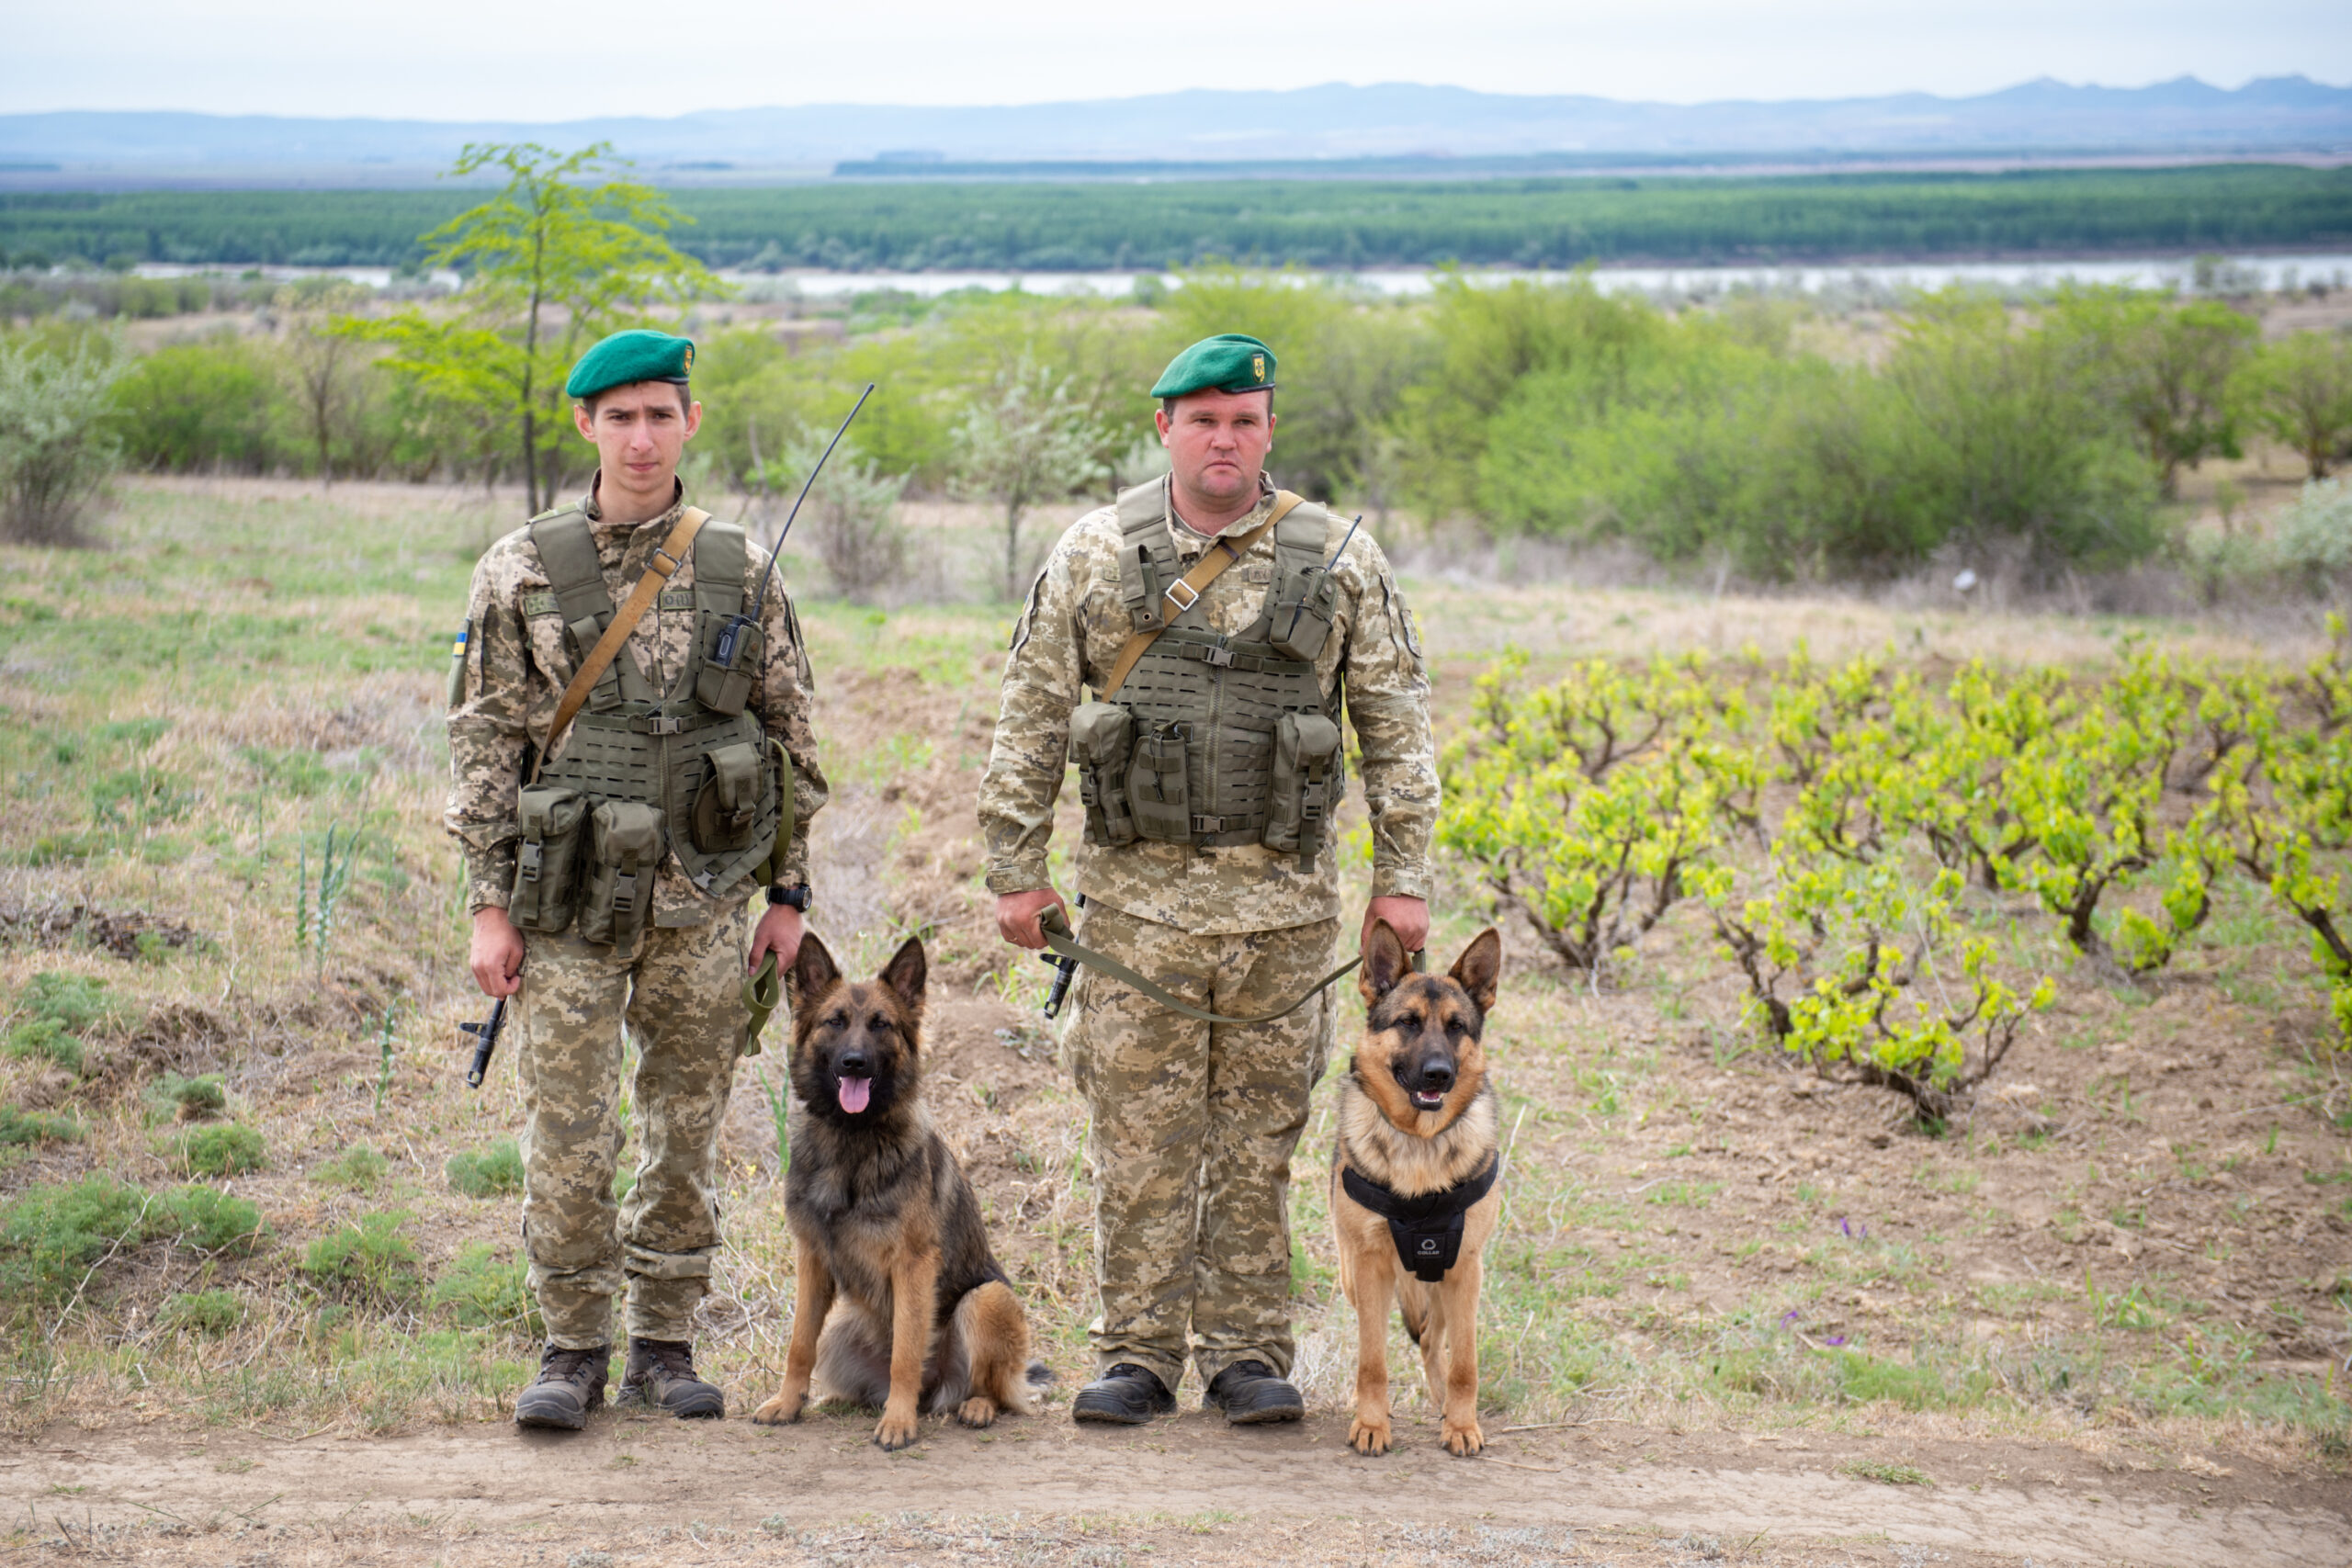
<point x="645" y="773"/>
<point x="1215" y="739"/>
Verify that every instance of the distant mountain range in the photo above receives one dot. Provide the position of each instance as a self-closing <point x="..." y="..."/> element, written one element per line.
<point x="1442" y="129"/>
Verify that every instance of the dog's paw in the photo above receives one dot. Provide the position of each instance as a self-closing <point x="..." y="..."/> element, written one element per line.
<point x="1462" y="1439"/>
<point x="1369" y="1438"/>
<point x="896" y="1431"/>
<point x="777" y="1412"/>
<point x="978" y="1411"/>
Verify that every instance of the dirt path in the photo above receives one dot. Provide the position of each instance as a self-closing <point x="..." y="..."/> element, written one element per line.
<point x="1184" y="1490"/>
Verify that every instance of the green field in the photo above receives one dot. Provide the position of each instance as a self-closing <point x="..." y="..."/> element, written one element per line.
<point x="1047" y="226"/>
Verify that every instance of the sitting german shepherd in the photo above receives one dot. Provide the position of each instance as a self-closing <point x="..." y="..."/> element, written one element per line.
<point x="887" y="1232"/>
<point x="1413" y="1179"/>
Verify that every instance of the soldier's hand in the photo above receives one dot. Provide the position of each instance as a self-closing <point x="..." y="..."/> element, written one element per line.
<point x="496" y="955"/>
<point x="1409" y="918"/>
<point x="779" y="930"/>
<point x="1016" y="916"/>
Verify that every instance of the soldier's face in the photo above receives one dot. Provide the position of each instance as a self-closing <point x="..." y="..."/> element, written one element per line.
<point x="1217" y="442"/>
<point x="640" y="432"/>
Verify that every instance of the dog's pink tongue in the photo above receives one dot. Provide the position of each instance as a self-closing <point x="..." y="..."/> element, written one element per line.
<point x="854" y="1093"/>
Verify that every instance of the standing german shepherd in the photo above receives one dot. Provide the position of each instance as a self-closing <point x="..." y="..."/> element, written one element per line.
<point x="887" y="1232"/>
<point x="1414" y="1175"/>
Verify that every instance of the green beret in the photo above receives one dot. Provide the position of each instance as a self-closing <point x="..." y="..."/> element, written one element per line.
<point x="638" y="354"/>
<point x="1230" y="362"/>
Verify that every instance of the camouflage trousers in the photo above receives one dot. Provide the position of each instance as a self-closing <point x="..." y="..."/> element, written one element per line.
<point x="682" y="1001"/>
<point x="1192" y="1129"/>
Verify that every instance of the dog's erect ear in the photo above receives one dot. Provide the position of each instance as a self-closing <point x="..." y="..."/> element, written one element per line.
<point x="1480" y="967"/>
<point x="907" y="971"/>
<point x="1383" y="963"/>
<point x="812" y="973"/>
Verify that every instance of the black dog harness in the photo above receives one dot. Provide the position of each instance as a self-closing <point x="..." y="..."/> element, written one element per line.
<point x="1428" y="1229"/>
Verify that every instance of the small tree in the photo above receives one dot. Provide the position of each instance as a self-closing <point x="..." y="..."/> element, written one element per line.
<point x="325" y="369"/>
<point x="1024" y="440"/>
<point x="855" y="511"/>
<point x="2299" y="391"/>
<point x="2166" y="367"/>
<point x="57" y="447"/>
<point x="561" y="257"/>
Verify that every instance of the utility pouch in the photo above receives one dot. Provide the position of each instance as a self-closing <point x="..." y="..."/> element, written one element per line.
<point x="547" y="861"/>
<point x="1304" y="600"/>
<point x="728" y="804"/>
<point x="730" y="666"/>
<point x="1307" y="786"/>
<point x="1101" y="734"/>
<point x="624" y="852"/>
<point x="1157" y="794"/>
<point x="771" y="870"/>
<point x="1140" y="587"/>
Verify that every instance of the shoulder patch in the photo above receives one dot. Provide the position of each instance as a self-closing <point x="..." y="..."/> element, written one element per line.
<point x="541" y="603"/>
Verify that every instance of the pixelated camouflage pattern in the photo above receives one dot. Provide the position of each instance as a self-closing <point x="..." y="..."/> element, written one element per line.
<point x="518" y="664"/>
<point x="1070" y="634"/>
<point x="681" y="1003"/>
<point x="1194" y="1125"/>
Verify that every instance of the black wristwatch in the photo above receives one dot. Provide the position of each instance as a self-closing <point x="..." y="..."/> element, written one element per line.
<point x="798" y="897"/>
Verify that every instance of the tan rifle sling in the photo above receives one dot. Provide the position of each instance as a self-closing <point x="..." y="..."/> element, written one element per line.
<point x="673" y="553"/>
<point x="1221" y="554"/>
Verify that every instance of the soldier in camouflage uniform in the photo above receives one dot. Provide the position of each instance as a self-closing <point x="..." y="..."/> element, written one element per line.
<point x="672" y="974"/>
<point x="1193" y="1124"/>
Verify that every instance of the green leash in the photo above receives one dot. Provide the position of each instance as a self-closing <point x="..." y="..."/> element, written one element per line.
<point x="1058" y="937"/>
<point x="762" y="994"/>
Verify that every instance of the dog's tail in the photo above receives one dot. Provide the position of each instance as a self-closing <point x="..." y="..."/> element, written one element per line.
<point x="1039" y="1374"/>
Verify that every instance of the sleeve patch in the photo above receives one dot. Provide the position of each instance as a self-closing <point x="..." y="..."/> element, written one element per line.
<point x="542" y="603"/>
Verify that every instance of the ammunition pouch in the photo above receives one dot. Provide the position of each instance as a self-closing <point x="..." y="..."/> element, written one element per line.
<point x="1305" y="602"/>
<point x="1157" y="794"/>
<point x="1101" y="737"/>
<point x="624" y="853"/>
<point x="546" y="860"/>
<point x="1306" y="781"/>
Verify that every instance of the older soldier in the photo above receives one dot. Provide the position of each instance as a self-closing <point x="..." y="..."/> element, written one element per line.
<point x="614" y="828"/>
<point x="1222" y="623"/>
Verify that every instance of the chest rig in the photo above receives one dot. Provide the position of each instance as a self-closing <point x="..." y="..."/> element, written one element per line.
<point x="1213" y="739"/>
<point x="644" y="773"/>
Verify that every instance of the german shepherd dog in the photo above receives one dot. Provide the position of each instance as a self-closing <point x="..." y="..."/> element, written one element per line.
<point x="887" y="1234"/>
<point x="1417" y="1117"/>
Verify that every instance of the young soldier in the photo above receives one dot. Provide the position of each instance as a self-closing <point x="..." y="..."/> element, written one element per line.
<point x="610" y="855"/>
<point x="1211" y="763"/>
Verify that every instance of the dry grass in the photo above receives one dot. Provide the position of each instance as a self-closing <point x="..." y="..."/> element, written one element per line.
<point x="2142" y="1246"/>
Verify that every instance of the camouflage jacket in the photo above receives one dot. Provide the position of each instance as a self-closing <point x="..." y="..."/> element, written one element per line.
<point x="517" y="665"/>
<point x="1070" y="632"/>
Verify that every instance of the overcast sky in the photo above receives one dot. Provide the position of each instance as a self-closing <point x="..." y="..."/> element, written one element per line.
<point x="499" y="60"/>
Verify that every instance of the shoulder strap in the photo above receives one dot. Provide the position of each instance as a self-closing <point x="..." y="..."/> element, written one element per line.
<point x="567" y="550"/>
<point x="1182" y="594"/>
<point x="721" y="560"/>
<point x="666" y="559"/>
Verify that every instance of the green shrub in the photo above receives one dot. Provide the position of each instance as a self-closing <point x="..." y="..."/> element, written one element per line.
<point x="369" y="1259"/>
<point x="57" y="448"/>
<point x="37" y="1127"/>
<point x="51" y="1235"/>
<point x="203" y="405"/>
<point x="358" y="1167"/>
<point x="227" y="1149"/>
<point x="491" y="1172"/>
<point x="211" y="1220"/>
<point x="209" y="1312"/>
<point x="483" y="1290"/>
<point x="174" y="1099"/>
<point x="46" y="1037"/>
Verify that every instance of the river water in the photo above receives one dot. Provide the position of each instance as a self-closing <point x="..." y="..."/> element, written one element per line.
<point x="2232" y="273"/>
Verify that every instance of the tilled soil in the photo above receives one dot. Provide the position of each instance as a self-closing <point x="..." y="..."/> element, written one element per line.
<point x="1188" y="1489"/>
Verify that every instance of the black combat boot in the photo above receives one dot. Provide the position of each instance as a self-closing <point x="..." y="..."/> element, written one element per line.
<point x="571" y="1383"/>
<point x="1126" y="1395"/>
<point x="662" y="1374"/>
<point x="1249" y="1393"/>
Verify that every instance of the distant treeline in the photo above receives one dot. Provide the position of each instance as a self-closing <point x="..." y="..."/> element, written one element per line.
<point x="1525" y="222"/>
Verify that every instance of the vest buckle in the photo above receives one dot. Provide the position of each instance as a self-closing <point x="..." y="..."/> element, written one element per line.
<point x="664" y="724"/>
<point x="1218" y="655"/>
<point x="1192" y="595"/>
